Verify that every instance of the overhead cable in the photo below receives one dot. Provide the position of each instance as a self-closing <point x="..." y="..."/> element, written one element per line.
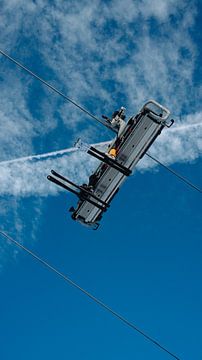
<point x="96" y="300"/>
<point x="65" y="151"/>
<point x="186" y="181"/>
<point x="92" y="116"/>
<point x="55" y="90"/>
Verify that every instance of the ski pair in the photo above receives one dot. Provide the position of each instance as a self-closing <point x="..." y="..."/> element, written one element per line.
<point x="109" y="161"/>
<point x="83" y="194"/>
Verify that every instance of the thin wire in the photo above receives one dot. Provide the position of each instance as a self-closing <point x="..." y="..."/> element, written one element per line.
<point x="65" y="151"/>
<point x="92" y="116"/>
<point x="99" y="302"/>
<point x="186" y="181"/>
<point x="54" y="89"/>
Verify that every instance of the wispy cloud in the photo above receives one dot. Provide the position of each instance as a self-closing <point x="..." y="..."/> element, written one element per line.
<point x="103" y="55"/>
<point x="30" y="177"/>
<point x="27" y="176"/>
<point x="49" y="154"/>
<point x="17" y="221"/>
<point x="181" y="143"/>
<point x="129" y="54"/>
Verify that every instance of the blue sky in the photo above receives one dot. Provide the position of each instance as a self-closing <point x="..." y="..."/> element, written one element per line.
<point x="145" y="260"/>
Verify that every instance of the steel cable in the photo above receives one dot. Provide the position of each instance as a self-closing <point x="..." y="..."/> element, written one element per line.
<point x="55" y="90"/>
<point x="96" y="300"/>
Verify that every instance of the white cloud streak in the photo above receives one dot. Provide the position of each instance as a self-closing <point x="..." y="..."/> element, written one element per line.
<point x="180" y="144"/>
<point x="17" y="221"/>
<point x="129" y="54"/>
<point x="103" y="55"/>
<point x="49" y="154"/>
<point x="27" y="176"/>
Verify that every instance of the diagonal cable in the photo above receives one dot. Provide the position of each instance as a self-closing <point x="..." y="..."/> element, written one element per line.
<point x="56" y="90"/>
<point x="92" y="116"/>
<point x="93" y="298"/>
<point x="182" y="178"/>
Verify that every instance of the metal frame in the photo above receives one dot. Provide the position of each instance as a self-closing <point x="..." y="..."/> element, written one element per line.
<point x="161" y="119"/>
<point x="82" y="195"/>
<point x="107" y="160"/>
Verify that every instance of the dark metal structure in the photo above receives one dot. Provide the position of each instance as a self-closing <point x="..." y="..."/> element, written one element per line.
<point x="138" y="135"/>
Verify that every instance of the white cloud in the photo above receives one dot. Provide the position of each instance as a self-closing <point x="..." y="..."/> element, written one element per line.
<point x="16" y="221"/>
<point x="28" y="177"/>
<point x="181" y="143"/>
<point x="16" y="131"/>
<point x="102" y="55"/>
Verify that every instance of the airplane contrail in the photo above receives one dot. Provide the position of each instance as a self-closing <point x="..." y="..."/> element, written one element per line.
<point x="183" y="127"/>
<point x="65" y="151"/>
<point x="49" y="154"/>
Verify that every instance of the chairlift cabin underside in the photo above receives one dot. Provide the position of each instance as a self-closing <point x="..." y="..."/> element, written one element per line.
<point x="138" y="135"/>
